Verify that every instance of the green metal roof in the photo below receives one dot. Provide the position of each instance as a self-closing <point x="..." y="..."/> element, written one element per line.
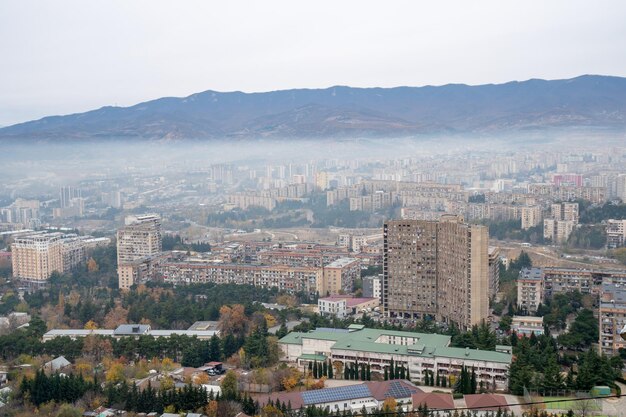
<point x="426" y="345"/>
<point x="473" y="354"/>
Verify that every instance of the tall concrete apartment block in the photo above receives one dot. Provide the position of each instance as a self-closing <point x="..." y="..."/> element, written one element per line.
<point x="35" y="257"/>
<point x="494" y="271"/>
<point x="138" y="242"/>
<point x="615" y="233"/>
<point x="612" y="314"/>
<point x="564" y="219"/>
<point x="436" y="269"/>
<point x="531" y="217"/>
<point x="530" y="289"/>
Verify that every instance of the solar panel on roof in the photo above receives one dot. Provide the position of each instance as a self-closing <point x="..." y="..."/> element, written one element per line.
<point x="398" y="390"/>
<point x="327" y="395"/>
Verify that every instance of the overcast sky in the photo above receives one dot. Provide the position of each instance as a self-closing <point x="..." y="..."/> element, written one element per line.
<point x="63" y="56"/>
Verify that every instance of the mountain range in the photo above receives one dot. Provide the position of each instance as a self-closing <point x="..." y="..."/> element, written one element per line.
<point x="588" y="101"/>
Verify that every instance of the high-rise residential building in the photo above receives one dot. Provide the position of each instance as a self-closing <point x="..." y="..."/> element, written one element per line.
<point x="21" y="211"/>
<point x="564" y="218"/>
<point x="531" y="217"/>
<point x="139" y="240"/>
<point x="612" y="317"/>
<point x="67" y="194"/>
<point x="436" y="269"/>
<point x="567" y="180"/>
<point x="530" y="289"/>
<point x="620" y="187"/>
<point x="35" y="257"/>
<point x="494" y="271"/>
<point x="615" y="233"/>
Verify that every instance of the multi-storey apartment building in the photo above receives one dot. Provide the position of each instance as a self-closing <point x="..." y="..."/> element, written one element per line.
<point x="531" y="217"/>
<point x="372" y="287"/>
<point x="339" y="276"/>
<point x="417" y="352"/>
<point x="612" y="317"/>
<point x="527" y="325"/>
<point x="586" y="281"/>
<point x="300" y="257"/>
<point x="615" y="233"/>
<point x="530" y="289"/>
<point x="35" y="257"/>
<point x="23" y="212"/>
<point x="564" y="218"/>
<point x="438" y="269"/>
<point x="494" y="271"/>
<point x="287" y="278"/>
<point x="138" y="242"/>
<point x="569" y="193"/>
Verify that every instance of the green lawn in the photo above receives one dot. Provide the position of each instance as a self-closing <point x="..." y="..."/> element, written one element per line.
<point x="565" y="403"/>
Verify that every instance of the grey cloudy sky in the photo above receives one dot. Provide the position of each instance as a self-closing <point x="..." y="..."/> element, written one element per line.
<point x="65" y="56"/>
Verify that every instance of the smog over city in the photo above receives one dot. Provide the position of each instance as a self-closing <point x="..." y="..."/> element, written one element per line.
<point x="301" y="209"/>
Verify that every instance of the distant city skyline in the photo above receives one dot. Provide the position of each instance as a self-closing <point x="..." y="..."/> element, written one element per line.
<point x="71" y="56"/>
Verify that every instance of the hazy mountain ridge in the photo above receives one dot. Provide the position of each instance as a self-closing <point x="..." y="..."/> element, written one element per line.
<point x="586" y="101"/>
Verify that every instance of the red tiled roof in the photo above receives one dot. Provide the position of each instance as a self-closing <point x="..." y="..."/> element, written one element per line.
<point x="284" y="397"/>
<point x="433" y="400"/>
<point x="486" y="402"/>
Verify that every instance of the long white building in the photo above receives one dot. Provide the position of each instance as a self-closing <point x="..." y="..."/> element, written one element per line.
<point x="419" y="353"/>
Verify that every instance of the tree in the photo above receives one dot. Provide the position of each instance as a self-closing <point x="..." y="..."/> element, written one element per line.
<point x="91" y="325"/>
<point x="215" y="348"/>
<point x="92" y="265"/>
<point x="118" y="315"/>
<point x="233" y="320"/>
<point x="68" y="410"/>
<point x="229" y="386"/>
<point x="115" y="373"/>
<point x="390" y="404"/>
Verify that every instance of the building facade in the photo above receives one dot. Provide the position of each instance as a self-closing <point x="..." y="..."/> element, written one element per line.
<point x="338" y="276"/>
<point x="419" y="353"/>
<point x="530" y="289"/>
<point x="35" y="257"/>
<point x="615" y="233"/>
<point x="436" y="269"/>
<point x="612" y="318"/>
<point x="137" y="242"/>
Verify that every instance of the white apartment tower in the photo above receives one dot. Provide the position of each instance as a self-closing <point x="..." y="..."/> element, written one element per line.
<point x="138" y="240"/>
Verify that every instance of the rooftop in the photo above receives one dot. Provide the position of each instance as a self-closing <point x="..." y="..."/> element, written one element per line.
<point x="350" y="300"/>
<point x="433" y="400"/>
<point x="534" y="274"/>
<point x="341" y="263"/>
<point x="366" y="340"/>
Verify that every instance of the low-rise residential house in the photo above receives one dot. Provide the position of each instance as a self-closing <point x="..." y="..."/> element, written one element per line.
<point x="527" y="325"/>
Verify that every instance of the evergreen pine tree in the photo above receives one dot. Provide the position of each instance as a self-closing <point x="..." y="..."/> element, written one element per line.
<point x="473" y="383"/>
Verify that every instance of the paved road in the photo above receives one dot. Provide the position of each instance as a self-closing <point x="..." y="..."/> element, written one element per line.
<point x="615" y="406"/>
